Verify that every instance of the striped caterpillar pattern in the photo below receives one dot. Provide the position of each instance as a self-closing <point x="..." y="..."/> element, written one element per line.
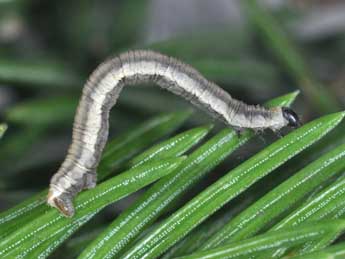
<point x="100" y="93"/>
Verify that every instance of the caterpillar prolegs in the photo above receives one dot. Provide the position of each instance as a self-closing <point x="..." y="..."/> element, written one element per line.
<point x="100" y="93"/>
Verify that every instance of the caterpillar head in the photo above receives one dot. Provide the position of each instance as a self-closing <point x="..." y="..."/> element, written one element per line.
<point x="291" y="117"/>
<point x="61" y="201"/>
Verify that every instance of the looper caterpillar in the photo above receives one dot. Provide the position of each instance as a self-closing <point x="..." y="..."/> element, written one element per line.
<point x="100" y="93"/>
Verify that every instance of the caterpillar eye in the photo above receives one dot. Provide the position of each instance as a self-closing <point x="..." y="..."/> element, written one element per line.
<point x="291" y="117"/>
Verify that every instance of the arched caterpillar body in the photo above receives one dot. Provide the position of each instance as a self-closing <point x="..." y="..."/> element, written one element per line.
<point x="90" y="129"/>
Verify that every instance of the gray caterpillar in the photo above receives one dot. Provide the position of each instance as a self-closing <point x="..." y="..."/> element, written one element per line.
<point x="100" y="93"/>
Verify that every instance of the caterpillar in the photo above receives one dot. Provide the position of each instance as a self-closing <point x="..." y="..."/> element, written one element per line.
<point x="100" y="93"/>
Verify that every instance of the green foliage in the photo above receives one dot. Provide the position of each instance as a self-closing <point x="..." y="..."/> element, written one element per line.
<point x="87" y="204"/>
<point x="280" y="199"/>
<point x="333" y="252"/>
<point x="171" y="183"/>
<point x="117" y="152"/>
<point x="289" y="237"/>
<point x="34" y="218"/>
<point x="3" y="128"/>
<point x="231" y="185"/>
<point x="43" y="113"/>
<point x="286" y="53"/>
<point x="158" y="198"/>
<point x="34" y="74"/>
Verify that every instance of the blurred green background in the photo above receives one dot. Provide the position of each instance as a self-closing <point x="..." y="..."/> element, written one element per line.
<point x="255" y="52"/>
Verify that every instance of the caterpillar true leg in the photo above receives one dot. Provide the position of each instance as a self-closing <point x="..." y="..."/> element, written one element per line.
<point x="100" y="93"/>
